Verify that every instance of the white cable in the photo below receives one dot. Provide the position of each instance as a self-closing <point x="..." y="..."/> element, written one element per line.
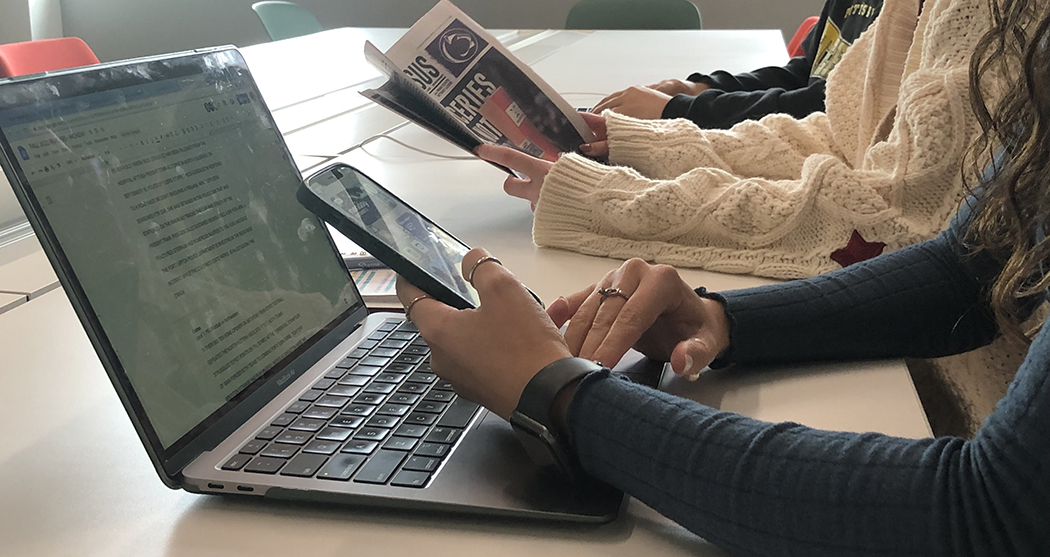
<point x="407" y="146"/>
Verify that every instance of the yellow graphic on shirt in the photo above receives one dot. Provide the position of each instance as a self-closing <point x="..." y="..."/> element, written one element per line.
<point x="832" y="47"/>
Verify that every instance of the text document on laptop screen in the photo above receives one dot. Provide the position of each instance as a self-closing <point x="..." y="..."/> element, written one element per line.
<point x="174" y="200"/>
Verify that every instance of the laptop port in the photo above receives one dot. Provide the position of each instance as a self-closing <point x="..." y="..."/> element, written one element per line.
<point x="245" y="488"/>
<point x="216" y="486"/>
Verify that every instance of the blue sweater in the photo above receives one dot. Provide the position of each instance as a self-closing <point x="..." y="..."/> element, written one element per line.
<point x="757" y="488"/>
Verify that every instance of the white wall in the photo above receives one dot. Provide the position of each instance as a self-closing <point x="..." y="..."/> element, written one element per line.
<point x="125" y="28"/>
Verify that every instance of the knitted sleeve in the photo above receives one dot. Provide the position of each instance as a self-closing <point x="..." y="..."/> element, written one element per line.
<point x="759" y="488"/>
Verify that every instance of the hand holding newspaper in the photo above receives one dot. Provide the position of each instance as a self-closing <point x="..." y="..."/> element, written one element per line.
<point x="455" y="79"/>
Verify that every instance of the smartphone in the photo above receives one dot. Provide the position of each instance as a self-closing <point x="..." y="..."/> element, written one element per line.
<point x="392" y="231"/>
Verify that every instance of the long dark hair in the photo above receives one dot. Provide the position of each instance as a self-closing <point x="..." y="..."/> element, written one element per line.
<point x="1010" y="93"/>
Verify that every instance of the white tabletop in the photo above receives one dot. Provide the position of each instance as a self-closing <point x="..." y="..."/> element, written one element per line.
<point x="76" y="481"/>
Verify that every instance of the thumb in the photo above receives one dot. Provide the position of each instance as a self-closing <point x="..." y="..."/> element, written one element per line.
<point x="559" y="311"/>
<point x="693" y="354"/>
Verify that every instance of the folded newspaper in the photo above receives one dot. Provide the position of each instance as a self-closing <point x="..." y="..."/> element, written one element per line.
<point x="455" y="79"/>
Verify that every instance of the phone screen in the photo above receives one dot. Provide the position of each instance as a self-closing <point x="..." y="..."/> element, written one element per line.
<point x="398" y="226"/>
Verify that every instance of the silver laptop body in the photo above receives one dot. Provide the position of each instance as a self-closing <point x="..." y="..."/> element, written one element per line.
<point x="164" y="197"/>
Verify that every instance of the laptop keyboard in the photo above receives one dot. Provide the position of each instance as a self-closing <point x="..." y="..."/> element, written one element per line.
<point x="379" y="417"/>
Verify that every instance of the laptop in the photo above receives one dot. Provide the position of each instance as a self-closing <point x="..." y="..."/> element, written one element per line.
<point x="164" y="197"/>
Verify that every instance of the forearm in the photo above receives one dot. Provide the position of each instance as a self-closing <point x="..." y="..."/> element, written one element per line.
<point x="793" y="75"/>
<point x="717" y="109"/>
<point x="758" y="488"/>
<point x="920" y="301"/>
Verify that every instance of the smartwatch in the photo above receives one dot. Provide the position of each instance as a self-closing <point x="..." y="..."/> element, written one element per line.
<point x="532" y="421"/>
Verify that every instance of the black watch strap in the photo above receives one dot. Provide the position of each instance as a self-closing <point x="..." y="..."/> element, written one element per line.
<point x="544" y="387"/>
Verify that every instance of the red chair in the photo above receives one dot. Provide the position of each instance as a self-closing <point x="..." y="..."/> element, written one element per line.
<point x="795" y="46"/>
<point x="44" y="55"/>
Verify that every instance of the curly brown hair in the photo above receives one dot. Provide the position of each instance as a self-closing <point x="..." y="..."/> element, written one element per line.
<point x="1011" y="64"/>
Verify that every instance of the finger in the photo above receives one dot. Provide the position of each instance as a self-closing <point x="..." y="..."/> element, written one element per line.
<point x="596" y="149"/>
<point x="515" y="160"/>
<point x="524" y="189"/>
<point x="692" y="355"/>
<point x="607" y="101"/>
<point x="635" y="318"/>
<point x="564" y="308"/>
<point x="597" y="124"/>
<point x="594" y="109"/>
<point x="609" y="313"/>
<point x="428" y="314"/>
<point x="580" y="323"/>
<point x="490" y="277"/>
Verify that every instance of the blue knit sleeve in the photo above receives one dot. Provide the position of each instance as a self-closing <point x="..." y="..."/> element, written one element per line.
<point x="758" y="488"/>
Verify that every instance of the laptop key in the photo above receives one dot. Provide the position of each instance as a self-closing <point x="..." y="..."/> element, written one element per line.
<point x="366" y="371"/>
<point x="459" y="413"/>
<point x="388" y="326"/>
<point x="396" y="443"/>
<point x="354" y="380"/>
<point x="358" y="410"/>
<point x="311" y="395"/>
<point x="369" y="398"/>
<point x="269" y="433"/>
<point x="404" y="334"/>
<point x="382" y="421"/>
<point x="374" y="361"/>
<point x="336" y="373"/>
<point x="323" y="384"/>
<point x="383" y="353"/>
<point x="403" y="398"/>
<point x="237" y="462"/>
<point x="306" y="424"/>
<point x="339" y="434"/>
<point x="443" y="385"/>
<point x="413" y="388"/>
<point x="341" y="467"/>
<point x="358" y="353"/>
<point x="304" y="465"/>
<point x="348" y="363"/>
<point x="393" y="344"/>
<point x="253" y="446"/>
<point x="297" y="407"/>
<point x="422" y="377"/>
<point x="384" y="388"/>
<point x="394" y="409"/>
<point x="439" y="396"/>
<point x="322" y="447"/>
<point x="371" y="433"/>
<point x="360" y="446"/>
<point x="331" y="401"/>
<point x="432" y="449"/>
<point x="422" y="463"/>
<point x="370" y="343"/>
<point x="408" y="478"/>
<point x="399" y="368"/>
<point x="420" y="418"/>
<point x="343" y="390"/>
<point x="378" y="335"/>
<point x="411" y="430"/>
<point x="264" y="465"/>
<point x="409" y="358"/>
<point x="431" y="407"/>
<point x="283" y="419"/>
<point x="320" y="413"/>
<point x="380" y="467"/>
<point x="388" y="377"/>
<point x="347" y="421"/>
<point x="446" y="435"/>
<point x="293" y="437"/>
<point x="280" y="451"/>
<point x="417" y="350"/>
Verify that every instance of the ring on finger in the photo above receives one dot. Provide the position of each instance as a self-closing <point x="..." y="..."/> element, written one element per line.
<point x="416" y="300"/>
<point x="612" y="292"/>
<point x="470" y="275"/>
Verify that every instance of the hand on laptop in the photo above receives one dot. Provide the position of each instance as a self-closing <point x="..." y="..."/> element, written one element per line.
<point x="536" y="169"/>
<point x="489" y="354"/>
<point x="637" y="102"/>
<point x="648" y="307"/>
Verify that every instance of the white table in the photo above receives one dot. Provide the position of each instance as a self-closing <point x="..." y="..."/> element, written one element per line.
<point x="74" y="479"/>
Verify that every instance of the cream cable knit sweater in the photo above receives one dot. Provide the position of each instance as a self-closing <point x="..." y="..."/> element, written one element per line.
<point x="776" y="197"/>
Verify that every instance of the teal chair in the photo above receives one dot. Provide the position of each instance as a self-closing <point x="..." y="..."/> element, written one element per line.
<point x="284" y="20"/>
<point x="634" y="14"/>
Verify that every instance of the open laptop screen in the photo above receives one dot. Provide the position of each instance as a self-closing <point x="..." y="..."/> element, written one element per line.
<point x="172" y="196"/>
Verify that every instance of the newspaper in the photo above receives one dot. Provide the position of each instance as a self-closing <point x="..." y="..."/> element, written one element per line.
<point x="455" y="79"/>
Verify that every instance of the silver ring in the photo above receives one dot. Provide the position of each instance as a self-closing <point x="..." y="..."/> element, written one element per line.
<point x="408" y="308"/>
<point x="470" y="275"/>
<point x="613" y="292"/>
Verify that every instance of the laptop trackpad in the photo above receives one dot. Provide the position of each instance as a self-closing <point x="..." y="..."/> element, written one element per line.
<point x="491" y="469"/>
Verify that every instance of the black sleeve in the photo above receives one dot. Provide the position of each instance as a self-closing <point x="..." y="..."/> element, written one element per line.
<point x="792" y="76"/>
<point x="925" y="300"/>
<point x="719" y="109"/>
